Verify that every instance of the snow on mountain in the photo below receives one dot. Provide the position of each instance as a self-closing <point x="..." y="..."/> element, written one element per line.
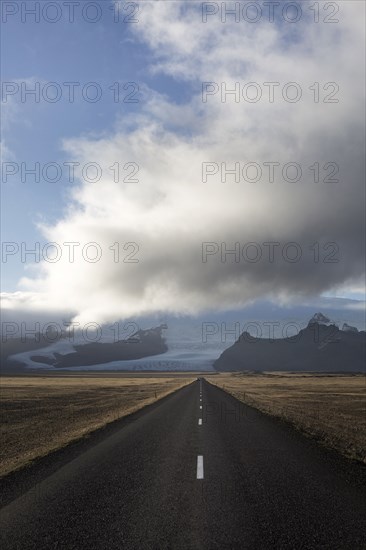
<point x="348" y="328"/>
<point x="321" y="320"/>
<point x="324" y="320"/>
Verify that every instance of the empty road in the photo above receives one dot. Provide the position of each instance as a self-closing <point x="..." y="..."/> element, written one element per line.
<point x="197" y="470"/>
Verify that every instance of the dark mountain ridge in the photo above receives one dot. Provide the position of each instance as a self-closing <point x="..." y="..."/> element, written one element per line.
<point x="142" y="343"/>
<point x="321" y="346"/>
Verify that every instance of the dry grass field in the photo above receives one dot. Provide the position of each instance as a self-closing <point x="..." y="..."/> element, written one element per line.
<point x="40" y="414"/>
<point x="329" y="408"/>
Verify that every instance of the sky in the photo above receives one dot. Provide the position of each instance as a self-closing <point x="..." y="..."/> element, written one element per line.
<point x="205" y="162"/>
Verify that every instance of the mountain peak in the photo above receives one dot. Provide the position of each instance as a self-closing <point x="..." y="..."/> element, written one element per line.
<point x="348" y="328"/>
<point x="320" y="319"/>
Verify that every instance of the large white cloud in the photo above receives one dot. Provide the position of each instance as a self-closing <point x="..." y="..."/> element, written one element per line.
<point x="170" y="211"/>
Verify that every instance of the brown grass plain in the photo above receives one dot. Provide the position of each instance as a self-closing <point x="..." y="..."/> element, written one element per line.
<point x="329" y="408"/>
<point x="40" y="414"/>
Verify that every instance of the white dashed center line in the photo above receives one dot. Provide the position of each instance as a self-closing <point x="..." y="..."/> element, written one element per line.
<point x="199" y="467"/>
<point x="200" y="406"/>
<point x="200" y="421"/>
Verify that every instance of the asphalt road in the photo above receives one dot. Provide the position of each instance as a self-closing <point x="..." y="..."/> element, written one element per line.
<point x="162" y="479"/>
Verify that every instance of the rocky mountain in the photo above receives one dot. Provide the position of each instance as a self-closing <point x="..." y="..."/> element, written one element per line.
<point x="12" y="346"/>
<point x="348" y="328"/>
<point x="321" y="346"/>
<point x="143" y="343"/>
<point x="320" y="319"/>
